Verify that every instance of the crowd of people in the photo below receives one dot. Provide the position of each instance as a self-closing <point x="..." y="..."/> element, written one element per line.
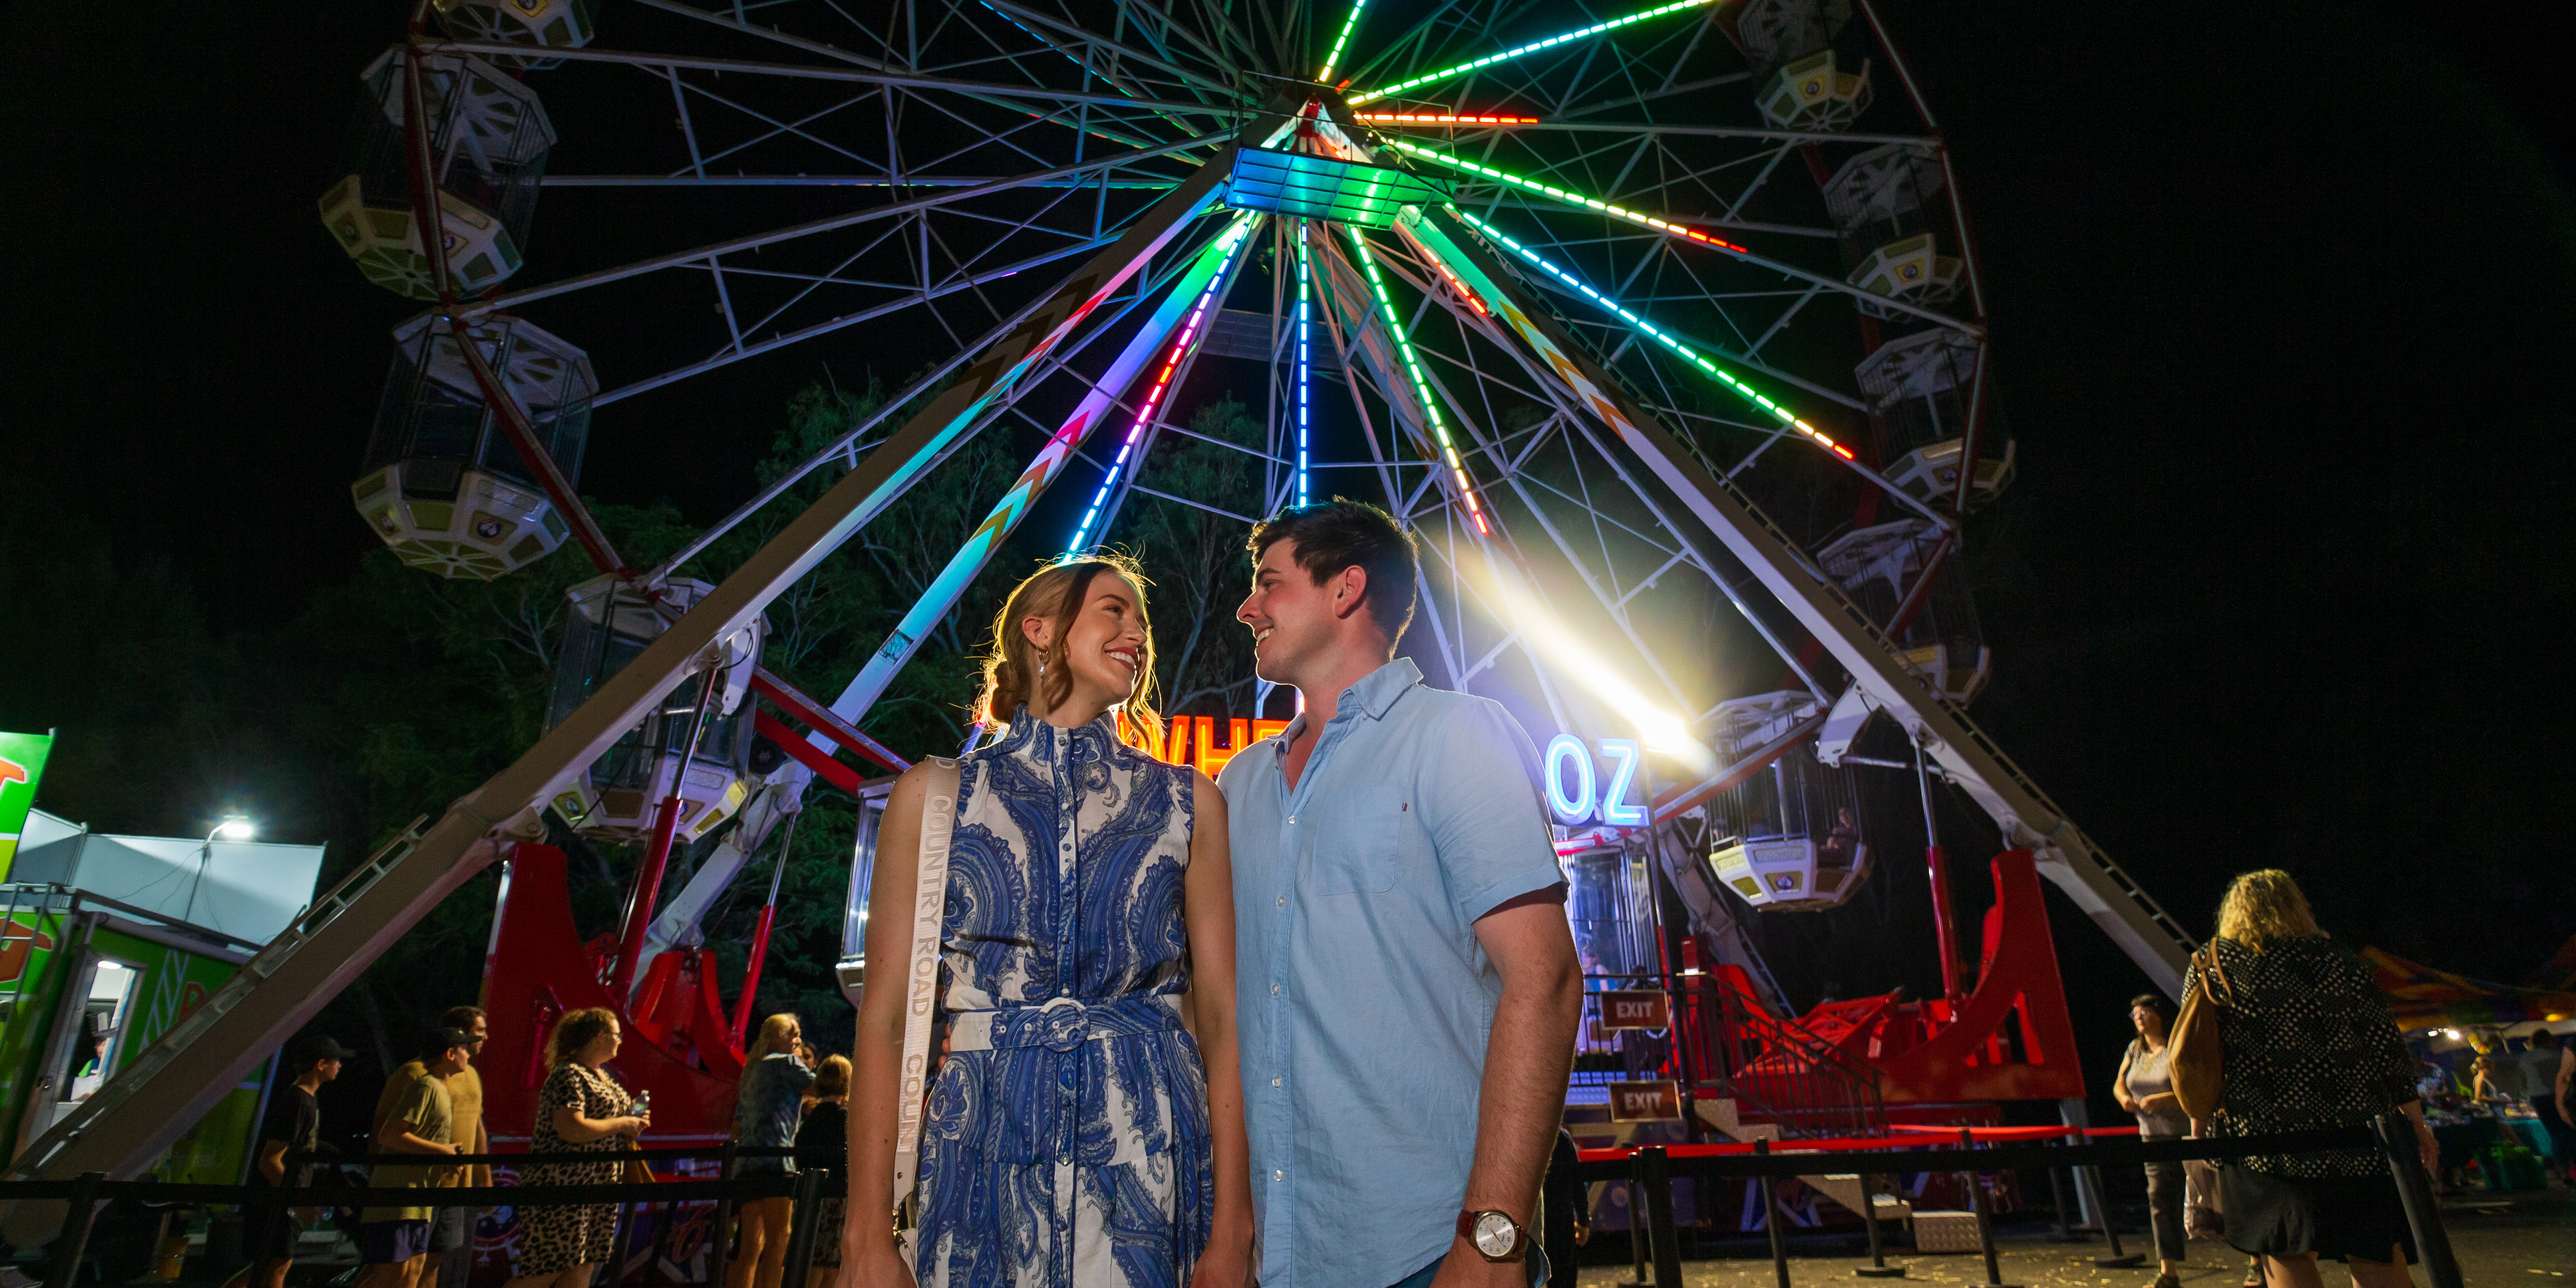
<point x="432" y="1106"/>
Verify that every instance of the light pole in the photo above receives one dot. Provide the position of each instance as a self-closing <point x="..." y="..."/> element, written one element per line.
<point x="234" y="827"/>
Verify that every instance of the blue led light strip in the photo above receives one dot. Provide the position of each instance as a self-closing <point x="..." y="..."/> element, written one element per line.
<point x="1421" y="383"/>
<point x="1659" y="336"/>
<point x="1341" y="42"/>
<point x="1304" y="370"/>
<point x="1189" y="334"/>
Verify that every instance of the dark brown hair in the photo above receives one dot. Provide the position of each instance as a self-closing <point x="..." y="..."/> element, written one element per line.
<point x="462" y="1017"/>
<point x="577" y="1029"/>
<point x="1056" y="592"/>
<point x="1342" y="533"/>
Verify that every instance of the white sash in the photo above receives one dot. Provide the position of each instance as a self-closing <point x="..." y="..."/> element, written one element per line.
<point x="921" y="982"/>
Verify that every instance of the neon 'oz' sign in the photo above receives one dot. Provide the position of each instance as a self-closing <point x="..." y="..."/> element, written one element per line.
<point x="1572" y="796"/>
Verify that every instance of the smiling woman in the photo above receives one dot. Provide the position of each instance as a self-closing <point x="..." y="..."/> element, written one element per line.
<point x="1086" y="931"/>
<point x="1073" y="645"/>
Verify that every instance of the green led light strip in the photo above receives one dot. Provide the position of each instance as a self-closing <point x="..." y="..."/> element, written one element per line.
<point x="1667" y="228"/>
<point x="1341" y="42"/>
<point x="1551" y="42"/>
<point x="1421" y="383"/>
<point x="1659" y="336"/>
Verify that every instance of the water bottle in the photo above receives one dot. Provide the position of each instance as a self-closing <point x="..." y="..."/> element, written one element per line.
<point x="643" y="1106"/>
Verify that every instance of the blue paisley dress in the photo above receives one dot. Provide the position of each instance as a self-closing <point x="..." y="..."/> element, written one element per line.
<point x="1066" y="1141"/>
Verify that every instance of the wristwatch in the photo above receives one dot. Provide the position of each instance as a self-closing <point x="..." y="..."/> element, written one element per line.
<point x="1494" y="1234"/>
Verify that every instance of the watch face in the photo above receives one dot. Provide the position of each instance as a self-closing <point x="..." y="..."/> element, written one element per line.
<point x="1495" y="1235"/>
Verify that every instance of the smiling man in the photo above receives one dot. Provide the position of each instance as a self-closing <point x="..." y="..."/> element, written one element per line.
<point x="1408" y="985"/>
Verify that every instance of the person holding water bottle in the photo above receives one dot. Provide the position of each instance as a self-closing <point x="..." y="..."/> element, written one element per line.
<point x="580" y="1110"/>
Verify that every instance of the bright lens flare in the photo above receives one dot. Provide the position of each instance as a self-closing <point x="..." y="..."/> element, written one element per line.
<point x="1659" y="336"/>
<point x="1568" y="657"/>
<point x="236" y="829"/>
<point x="1488" y="60"/>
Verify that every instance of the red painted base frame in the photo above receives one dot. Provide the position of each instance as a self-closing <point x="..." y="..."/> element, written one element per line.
<point x="537" y="968"/>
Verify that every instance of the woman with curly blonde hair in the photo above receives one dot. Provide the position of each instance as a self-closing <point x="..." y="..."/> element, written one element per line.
<point x="1085" y="1130"/>
<point x="2307" y="1043"/>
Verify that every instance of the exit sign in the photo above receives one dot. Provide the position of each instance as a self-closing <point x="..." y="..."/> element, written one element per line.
<point x="1645" y="1101"/>
<point x="1636" y="1008"/>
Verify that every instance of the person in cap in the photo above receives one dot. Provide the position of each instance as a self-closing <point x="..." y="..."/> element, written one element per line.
<point x="293" y="1126"/>
<point x="451" y="1230"/>
<point x="394" y="1242"/>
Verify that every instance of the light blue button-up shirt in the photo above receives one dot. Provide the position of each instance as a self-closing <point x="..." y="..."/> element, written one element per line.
<point x="1365" y="998"/>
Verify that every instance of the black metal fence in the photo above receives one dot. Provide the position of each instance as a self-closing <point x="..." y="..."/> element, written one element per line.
<point x="1649" y="1170"/>
<point x="85" y="1194"/>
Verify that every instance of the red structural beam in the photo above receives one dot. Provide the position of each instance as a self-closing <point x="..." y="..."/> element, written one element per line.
<point x="822" y="721"/>
<point x="814" y="758"/>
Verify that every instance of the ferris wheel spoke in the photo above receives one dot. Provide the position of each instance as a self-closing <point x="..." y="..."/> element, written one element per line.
<point x="837" y="181"/>
<point x="1558" y="41"/>
<point x="871" y="214"/>
<point x="1341" y="40"/>
<point x="853" y="75"/>
<point x="1685" y="351"/>
<point x="801" y="335"/>
<point x="1442" y="20"/>
<point x="1682" y="231"/>
<point x="698" y="160"/>
<point x="1074" y="34"/>
<point x="851" y="442"/>
<point x="1161" y="26"/>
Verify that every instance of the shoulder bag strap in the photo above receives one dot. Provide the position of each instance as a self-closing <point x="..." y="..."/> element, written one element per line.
<point x="921" y="978"/>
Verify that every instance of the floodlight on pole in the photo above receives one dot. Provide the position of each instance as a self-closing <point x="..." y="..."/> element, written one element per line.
<point x="234" y="828"/>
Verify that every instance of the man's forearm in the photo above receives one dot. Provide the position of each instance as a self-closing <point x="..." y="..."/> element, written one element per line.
<point x="1522" y="1098"/>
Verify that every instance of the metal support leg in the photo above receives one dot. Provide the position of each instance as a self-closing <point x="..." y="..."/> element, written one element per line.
<point x="2088" y="1187"/>
<point x="720" y="1248"/>
<point x="1658" y="1184"/>
<point x="1877" y="1267"/>
<point x="62" y="1261"/>
<point x="1637" y="1236"/>
<point x="805" y="1206"/>
<point x="1771" y="1218"/>
<point x="2396" y="1134"/>
<point x="1985" y="1222"/>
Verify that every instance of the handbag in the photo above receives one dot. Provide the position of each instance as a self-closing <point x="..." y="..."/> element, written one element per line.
<point x="2198" y="1061"/>
<point x="921" y="985"/>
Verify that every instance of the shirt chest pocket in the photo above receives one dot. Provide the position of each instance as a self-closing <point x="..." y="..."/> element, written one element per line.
<point x="1365" y="847"/>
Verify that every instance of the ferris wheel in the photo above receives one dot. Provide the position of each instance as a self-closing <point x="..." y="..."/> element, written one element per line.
<point x="1659" y="325"/>
<point x="1685" y="182"/>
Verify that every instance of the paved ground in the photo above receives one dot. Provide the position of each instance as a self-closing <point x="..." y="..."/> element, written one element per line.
<point x="2528" y="1243"/>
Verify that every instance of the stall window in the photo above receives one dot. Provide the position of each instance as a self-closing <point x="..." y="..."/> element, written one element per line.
<point x="102" y="1021"/>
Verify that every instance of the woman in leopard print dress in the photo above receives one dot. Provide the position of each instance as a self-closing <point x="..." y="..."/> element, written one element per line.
<point x="580" y="1109"/>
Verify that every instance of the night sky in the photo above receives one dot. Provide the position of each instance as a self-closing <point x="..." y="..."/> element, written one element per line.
<point x="2285" y="297"/>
